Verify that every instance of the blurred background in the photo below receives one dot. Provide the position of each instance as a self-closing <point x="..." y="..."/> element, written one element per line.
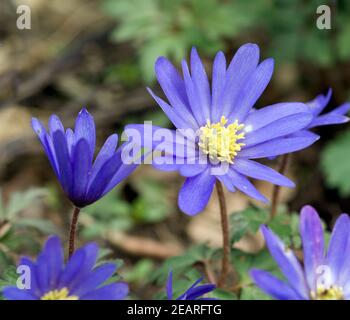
<point x="99" y="54"/>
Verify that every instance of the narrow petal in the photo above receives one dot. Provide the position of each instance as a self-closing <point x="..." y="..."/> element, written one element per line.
<point x="338" y="245"/>
<point x="174" y="116"/>
<point x="172" y="84"/>
<point x="195" y="193"/>
<point x="200" y="114"/>
<point x="342" y="109"/>
<point x="114" y="291"/>
<point x="252" y="90"/>
<point x="81" y="170"/>
<point x="258" y="171"/>
<point x="55" y="259"/>
<point x="278" y="128"/>
<point x="201" y="84"/>
<point x="287" y="262"/>
<point x="191" y="170"/>
<point x="199" y="291"/>
<point x="313" y="244"/>
<point x="317" y="105"/>
<point x="218" y="83"/>
<point x="44" y="138"/>
<point x="243" y="184"/>
<point x="273" y="286"/>
<point x="85" y="128"/>
<point x="63" y="161"/>
<point x="55" y="124"/>
<point x="277" y="147"/>
<point x="262" y="117"/>
<point x="79" y="265"/>
<point x="328" y="119"/>
<point x="169" y="286"/>
<point x="93" y="280"/>
<point x="70" y="137"/>
<point x="13" y="293"/>
<point x="106" y="152"/>
<point x="239" y="71"/>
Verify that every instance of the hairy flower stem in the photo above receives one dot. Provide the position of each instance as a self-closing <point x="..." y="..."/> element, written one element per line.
<point x="225" y="269"/>
<point x="73" y="230"/>
<point x="276" y="189"/>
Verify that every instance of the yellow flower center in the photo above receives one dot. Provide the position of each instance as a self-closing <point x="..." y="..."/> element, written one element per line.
<point x="331" y="293"/>
<point x="220" y="142"/>
<point x="58" y="295"/>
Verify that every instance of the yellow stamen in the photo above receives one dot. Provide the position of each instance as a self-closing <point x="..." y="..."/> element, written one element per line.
<point x="58" y="295"/>
<point x="220" y="142"/>
<point x="331" y="293"/>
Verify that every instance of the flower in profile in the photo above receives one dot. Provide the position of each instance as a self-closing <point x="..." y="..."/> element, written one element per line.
<point x="51" y="279"/>
<point x="324" y="275"/>
<point x="195" y="292"/>
<point x="71" y="154"/>
<point x="229" y="136"/>
<point x="336" y="116"/>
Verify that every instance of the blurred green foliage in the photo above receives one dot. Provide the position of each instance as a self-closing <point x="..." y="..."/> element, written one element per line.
<point x="17" y="230"/>
<point x="286" y="27"/>
<point x="335" y="163"/>
<point x="115" y="213"/>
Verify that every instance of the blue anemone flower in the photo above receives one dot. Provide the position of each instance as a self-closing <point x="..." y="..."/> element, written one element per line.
<point x="51" y="279"/>
<point x="336" y="116"/>
<point x="71" y="154"/>
<point x="195" y="292"/>
<point x="324" y="275"/>
<point x="229" y="134"/>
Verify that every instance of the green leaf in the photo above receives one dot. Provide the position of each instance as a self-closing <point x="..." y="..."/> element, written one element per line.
<point x="253" y="293"/>
<point x="248" y="220"/>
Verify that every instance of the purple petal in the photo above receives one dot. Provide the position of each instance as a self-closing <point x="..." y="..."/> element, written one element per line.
<point x="46" y="142"/>
<point x="114" y="291"/>
<point x="193" y="97"/>
<point x="262" y="117"/>
<point x="195" y="193"/>
<point x="258" y="171"/>
<point x="328" y="119"/>
<point x="338" y="245"/>
<point x="239" y="71"/>
<point x="287" y="262"/>
<point x="317" y="105"/>
<point x="252" y="90"/>
<point x="273" y="286"/>
<point x="278" y="128"/>
<point x="342" y="109"/>
<point x="85" y="128"/>
<point x="63" y="161"/>
<point x="313" y="243"/>
<point x="93" y="279"/>
<point x="191" y="170"/>
<point x="172" y="84"/>
<point x="106" y="152"/>
<point x="178" y="119"/>
<point x="169" y="286"/>
<point x="79" y="265"/>
<point x="81" y="170"/>
<point x="13" y="293"/>
<point x="201" y="84"/>
<point x="277" y="147"/>
<point x="244" y="185"/>
<point x="54" y="258"/>
<point x="218" y="83"/>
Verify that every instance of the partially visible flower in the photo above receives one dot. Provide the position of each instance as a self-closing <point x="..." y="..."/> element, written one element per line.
<point x="71" y="156"/>
<point x="195" y="292"/>
<point x="230" y="137"/>
<point x="336" y="116"/>
<point x="324" y="275"/>
<point x="51" y="279"/>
